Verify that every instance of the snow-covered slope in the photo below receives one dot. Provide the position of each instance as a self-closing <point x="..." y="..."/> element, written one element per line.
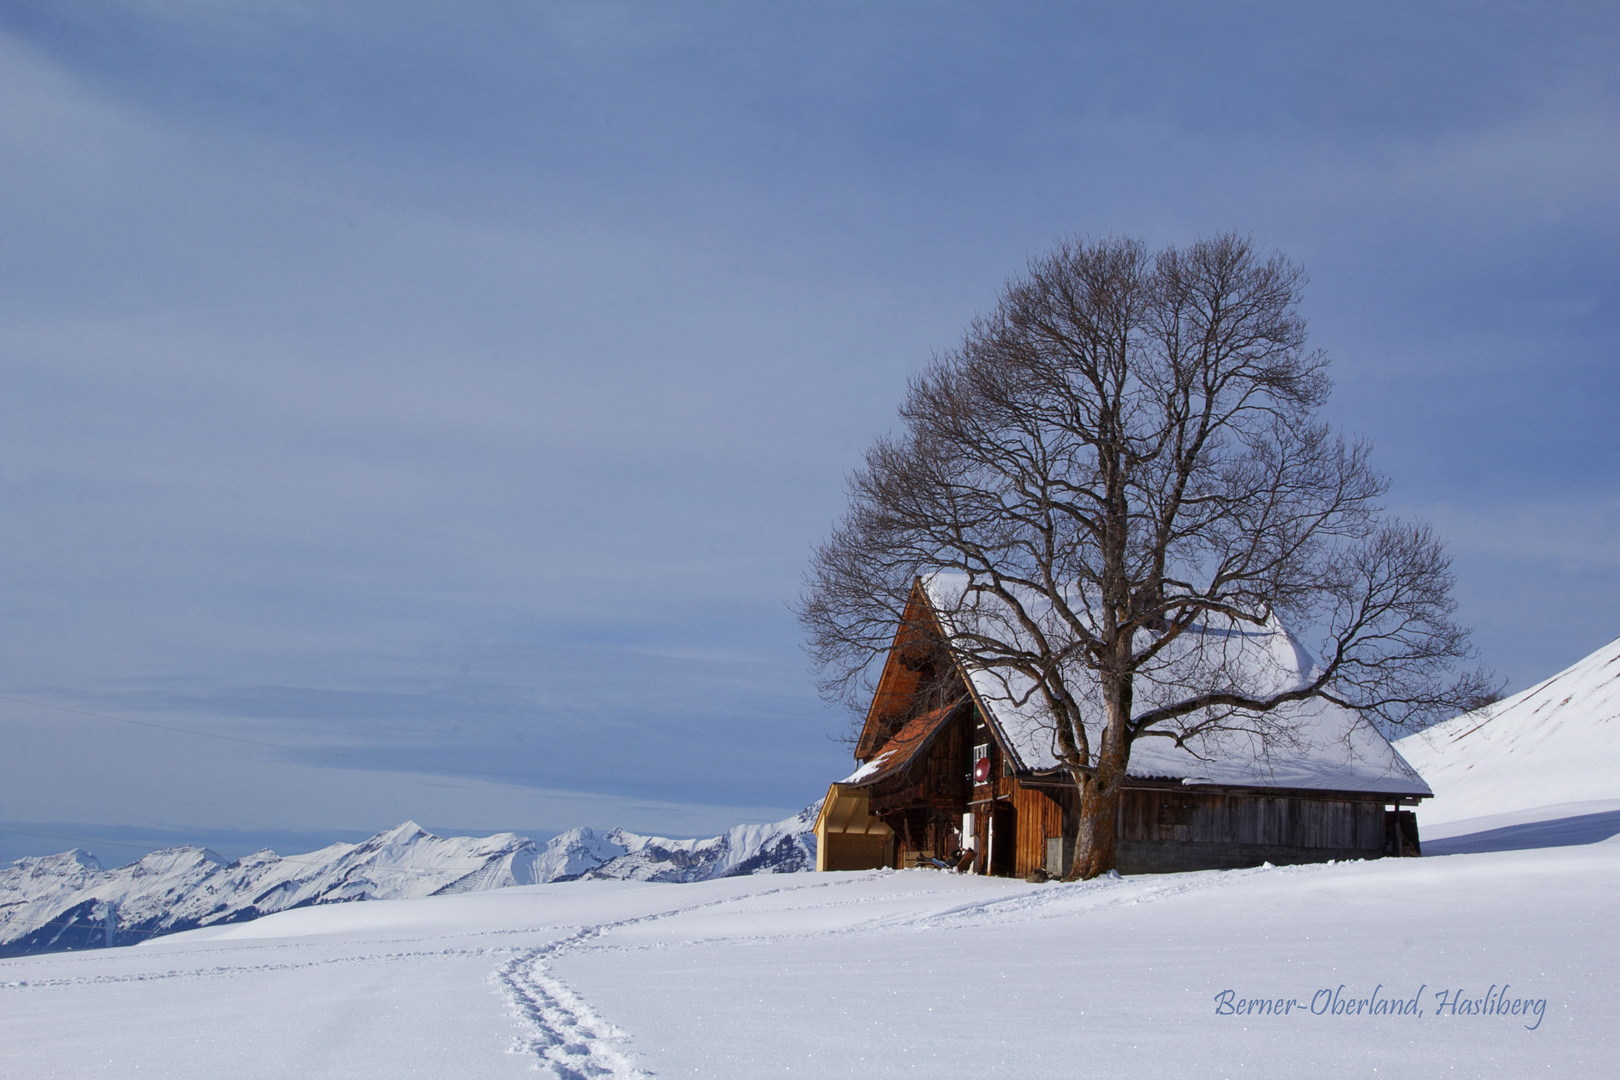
<point x="1557" y="742"/>
<point x="1503" y="964"/>
<point x="68" y="901"/>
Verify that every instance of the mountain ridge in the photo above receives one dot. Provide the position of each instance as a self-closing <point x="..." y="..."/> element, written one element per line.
<point x="70" y="901"/>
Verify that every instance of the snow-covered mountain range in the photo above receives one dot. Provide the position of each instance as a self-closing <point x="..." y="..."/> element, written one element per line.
<point x="69" y="901"/>
<point x="783" y="847"/>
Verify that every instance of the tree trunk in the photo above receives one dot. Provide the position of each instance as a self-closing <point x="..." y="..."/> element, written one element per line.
<point x="1096" y="846"/>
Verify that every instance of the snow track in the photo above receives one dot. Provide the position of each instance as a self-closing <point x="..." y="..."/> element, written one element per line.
<point x="434" y="975"/>
<point x="849" y="976"/>
<point x="571" y="1041"/>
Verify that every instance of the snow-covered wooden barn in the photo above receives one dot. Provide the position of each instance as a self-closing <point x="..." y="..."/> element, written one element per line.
<point x="955" y="757"/>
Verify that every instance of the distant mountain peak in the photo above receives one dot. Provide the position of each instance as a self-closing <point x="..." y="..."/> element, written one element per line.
<point x="62" y="863"/>
<point x="68" y="901"/>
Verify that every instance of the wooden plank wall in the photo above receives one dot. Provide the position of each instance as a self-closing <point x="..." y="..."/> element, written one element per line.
<point x="1039" y="816"/>
<point x="944" y="771"/>
<point x="1348" y="824"/>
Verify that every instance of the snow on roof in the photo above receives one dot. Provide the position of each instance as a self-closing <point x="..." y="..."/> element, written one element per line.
<point x="1557" y="742"/>
<point x="1313" y="744"/>
<point x="902" y="747"/>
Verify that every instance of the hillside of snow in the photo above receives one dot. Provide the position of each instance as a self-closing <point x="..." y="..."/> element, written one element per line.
<point x="68" y="901"/>
<point x="1492" y="965"/>
<point x="1555" y="745"/>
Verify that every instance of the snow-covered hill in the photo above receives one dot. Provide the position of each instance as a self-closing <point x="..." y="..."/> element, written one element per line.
<point x="69" y="901"/>
<point x="1555" y="743"/>
<point x="1502" y="965"/>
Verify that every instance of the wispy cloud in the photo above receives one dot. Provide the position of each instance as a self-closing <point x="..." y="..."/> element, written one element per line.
<point x="472" y="382"/>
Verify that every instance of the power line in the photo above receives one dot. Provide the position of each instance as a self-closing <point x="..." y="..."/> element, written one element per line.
<point x="93" y="927"/>
<point x="86" y="840"/>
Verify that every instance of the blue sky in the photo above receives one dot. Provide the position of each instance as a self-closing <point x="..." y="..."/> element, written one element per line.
<point x="448" y="396"/>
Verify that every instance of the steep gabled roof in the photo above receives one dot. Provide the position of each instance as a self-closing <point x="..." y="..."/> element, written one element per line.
<point x="897" y="686"/>
<point x="1328" y="747"/>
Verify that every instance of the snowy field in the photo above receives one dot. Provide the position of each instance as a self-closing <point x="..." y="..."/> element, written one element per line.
<point x="1494" y="956"/>
<point x="907" y="973"/>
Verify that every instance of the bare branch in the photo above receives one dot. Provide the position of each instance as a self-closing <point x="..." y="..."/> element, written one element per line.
<point x="1121" y="456"/>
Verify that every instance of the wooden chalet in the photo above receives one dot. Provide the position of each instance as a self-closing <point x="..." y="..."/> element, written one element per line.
<point x="952" y="758"/>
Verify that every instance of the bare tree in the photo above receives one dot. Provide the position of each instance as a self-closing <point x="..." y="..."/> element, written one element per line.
<point x="1124" y="452"/>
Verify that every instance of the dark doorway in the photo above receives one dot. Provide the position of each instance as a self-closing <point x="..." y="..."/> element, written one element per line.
<point x="1004" y="847"/>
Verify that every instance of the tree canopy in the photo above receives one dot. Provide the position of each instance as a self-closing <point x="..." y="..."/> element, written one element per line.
<point x="1126" y="450"/>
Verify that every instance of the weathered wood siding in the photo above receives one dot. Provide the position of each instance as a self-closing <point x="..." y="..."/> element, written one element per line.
<point x="1205" y="818"/>
<point x="937" y="778"/>
<point x="1039" y="816"/>
<point x="924" y="804"/>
